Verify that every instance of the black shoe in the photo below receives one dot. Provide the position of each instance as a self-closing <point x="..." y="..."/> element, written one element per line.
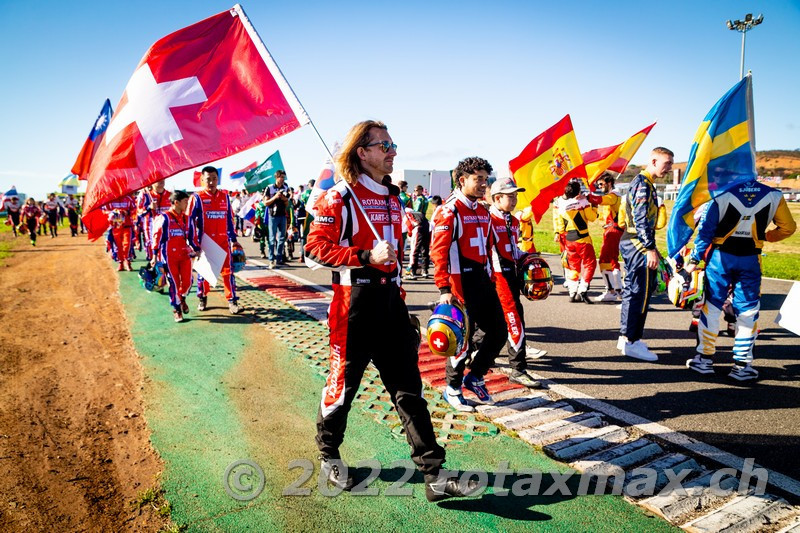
<point x="337" y="473"/>
<point x="584" y="297"/>
<point x="440" y="488"/>
<point x="202" y="302"/>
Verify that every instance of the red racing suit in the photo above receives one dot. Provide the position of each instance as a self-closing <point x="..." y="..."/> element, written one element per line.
<point x="572" y="220"/>
<point x="505" y="257"/>
<point x="170" y="245"/>
<point x="462" y="239"/>
<point x="211" y="215"/>
<point x="149" y="205"/>
<point x="367" y="318"/>
<point x="122" y="233"/>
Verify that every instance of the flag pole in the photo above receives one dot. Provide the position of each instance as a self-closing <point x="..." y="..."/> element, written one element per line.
<point x="292" y="99"/>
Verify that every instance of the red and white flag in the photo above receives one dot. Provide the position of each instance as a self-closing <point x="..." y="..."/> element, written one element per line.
<point x="198" y="95"/>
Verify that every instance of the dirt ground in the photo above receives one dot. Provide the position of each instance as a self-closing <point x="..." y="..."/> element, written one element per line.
<point x="74" y="445"/>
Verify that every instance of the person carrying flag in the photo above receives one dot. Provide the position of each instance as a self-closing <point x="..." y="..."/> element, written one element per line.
<point x="572" y="226"/>
<point x="170" y="246"/>
<point x="210" y="215"/>
<point x="368" y="318"/>
<point x="462" y="239"/>
<point x="729" y="239"/>
<point x="608" y="205"/>
<point x="639" y="215"/>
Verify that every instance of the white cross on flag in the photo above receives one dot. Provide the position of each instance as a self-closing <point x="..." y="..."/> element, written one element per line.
<point x="198" y="95"/>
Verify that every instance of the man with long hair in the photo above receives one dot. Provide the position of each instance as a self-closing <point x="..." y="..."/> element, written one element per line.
<point x="368" y="318"/>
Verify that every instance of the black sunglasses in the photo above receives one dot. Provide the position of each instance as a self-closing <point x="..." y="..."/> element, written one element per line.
<point x="385" y="146"/>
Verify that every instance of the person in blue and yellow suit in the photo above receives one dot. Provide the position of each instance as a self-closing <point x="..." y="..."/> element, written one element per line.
<point x="639" y="217"/>
<point x="729" y="238"/>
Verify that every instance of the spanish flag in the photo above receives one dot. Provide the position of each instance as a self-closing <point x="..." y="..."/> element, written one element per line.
<point x="722" y="155"/>
<point x="546" y="165"/>
<point x="614" y="158"/>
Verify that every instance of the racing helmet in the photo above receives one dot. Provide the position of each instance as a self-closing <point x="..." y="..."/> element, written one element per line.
<point x="147" y="277"/>
<point x="448" y="330"/>
<point x="663" y="276"/>
<point x="685" y="290"/>
<point x="536" y="280"/>
<point x="160" y="273"/>
<point x="117" y="218"/>
<point x="238" y="259"/>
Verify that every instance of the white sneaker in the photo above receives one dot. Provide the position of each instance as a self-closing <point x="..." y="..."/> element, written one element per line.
<point x="606" y="297"/>
<point x="621" y="343"/>
<point x="638" y="350"/>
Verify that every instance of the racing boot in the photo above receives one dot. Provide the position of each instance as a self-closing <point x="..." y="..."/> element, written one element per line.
<point x="438" y="487"/>
<point x="202" y="302"/>
<point x="336" y="472"/>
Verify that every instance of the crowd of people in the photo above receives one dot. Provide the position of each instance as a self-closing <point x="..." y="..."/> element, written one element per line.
<point x="43" y="218"/>
<point x="482" y="253"/>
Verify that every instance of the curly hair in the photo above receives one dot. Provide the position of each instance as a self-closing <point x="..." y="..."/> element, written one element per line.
<point x="471" y="165"/>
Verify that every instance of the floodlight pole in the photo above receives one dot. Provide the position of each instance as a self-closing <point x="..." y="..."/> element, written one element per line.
<point x="743" y="26"/>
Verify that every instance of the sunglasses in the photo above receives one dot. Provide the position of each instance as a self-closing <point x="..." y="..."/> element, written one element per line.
<point x="385" y="146"/>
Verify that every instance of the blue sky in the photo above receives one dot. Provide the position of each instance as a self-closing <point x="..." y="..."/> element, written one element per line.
<point x="451" y="79"/>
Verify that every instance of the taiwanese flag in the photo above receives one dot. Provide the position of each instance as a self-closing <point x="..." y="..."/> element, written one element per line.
<point x="200" y="94"/>
<point x="81" y="166"/>
<point x="614" y="158"/>
<point x="546" y="165"/>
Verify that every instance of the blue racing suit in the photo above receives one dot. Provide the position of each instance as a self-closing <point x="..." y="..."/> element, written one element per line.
<point x="730" y="236"/>
<point x="638" y="216"/>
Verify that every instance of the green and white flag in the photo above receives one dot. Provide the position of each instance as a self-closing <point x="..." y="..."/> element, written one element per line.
<point x="264" y="174"/>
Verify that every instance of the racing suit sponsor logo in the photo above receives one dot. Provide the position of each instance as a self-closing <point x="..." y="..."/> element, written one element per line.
<point x="324" y="220"/>
<point x="336" y="366"/>
<point x="512" y="324"/>
<point x="216" y="215"/>
<point x="176" y="232"/>
<point x="475" y="219"/>
<point x="441" y="228"/>
<point x="362" y="280"/>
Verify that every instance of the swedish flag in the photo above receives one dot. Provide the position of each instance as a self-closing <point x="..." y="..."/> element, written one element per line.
<point x="723" y="155"/>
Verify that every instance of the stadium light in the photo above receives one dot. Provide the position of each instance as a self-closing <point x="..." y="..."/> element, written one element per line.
<point x="744" y="26"/>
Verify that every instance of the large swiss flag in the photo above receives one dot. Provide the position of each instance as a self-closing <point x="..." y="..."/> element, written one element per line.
<point x="198" y="95"/>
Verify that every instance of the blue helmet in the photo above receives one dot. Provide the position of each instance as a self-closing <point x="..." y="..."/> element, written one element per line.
<point x="448" y="330"/>
<point x="238" y="259"/>
<point x="147" y="277"/>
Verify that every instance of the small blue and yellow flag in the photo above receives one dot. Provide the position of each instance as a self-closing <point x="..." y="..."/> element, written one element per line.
<point x="723" y="155"/>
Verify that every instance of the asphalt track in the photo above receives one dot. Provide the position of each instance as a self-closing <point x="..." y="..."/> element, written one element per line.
<point x="761" y="421"/>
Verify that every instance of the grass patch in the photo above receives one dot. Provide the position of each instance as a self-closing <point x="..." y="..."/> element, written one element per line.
<point x="6" y="243"/>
